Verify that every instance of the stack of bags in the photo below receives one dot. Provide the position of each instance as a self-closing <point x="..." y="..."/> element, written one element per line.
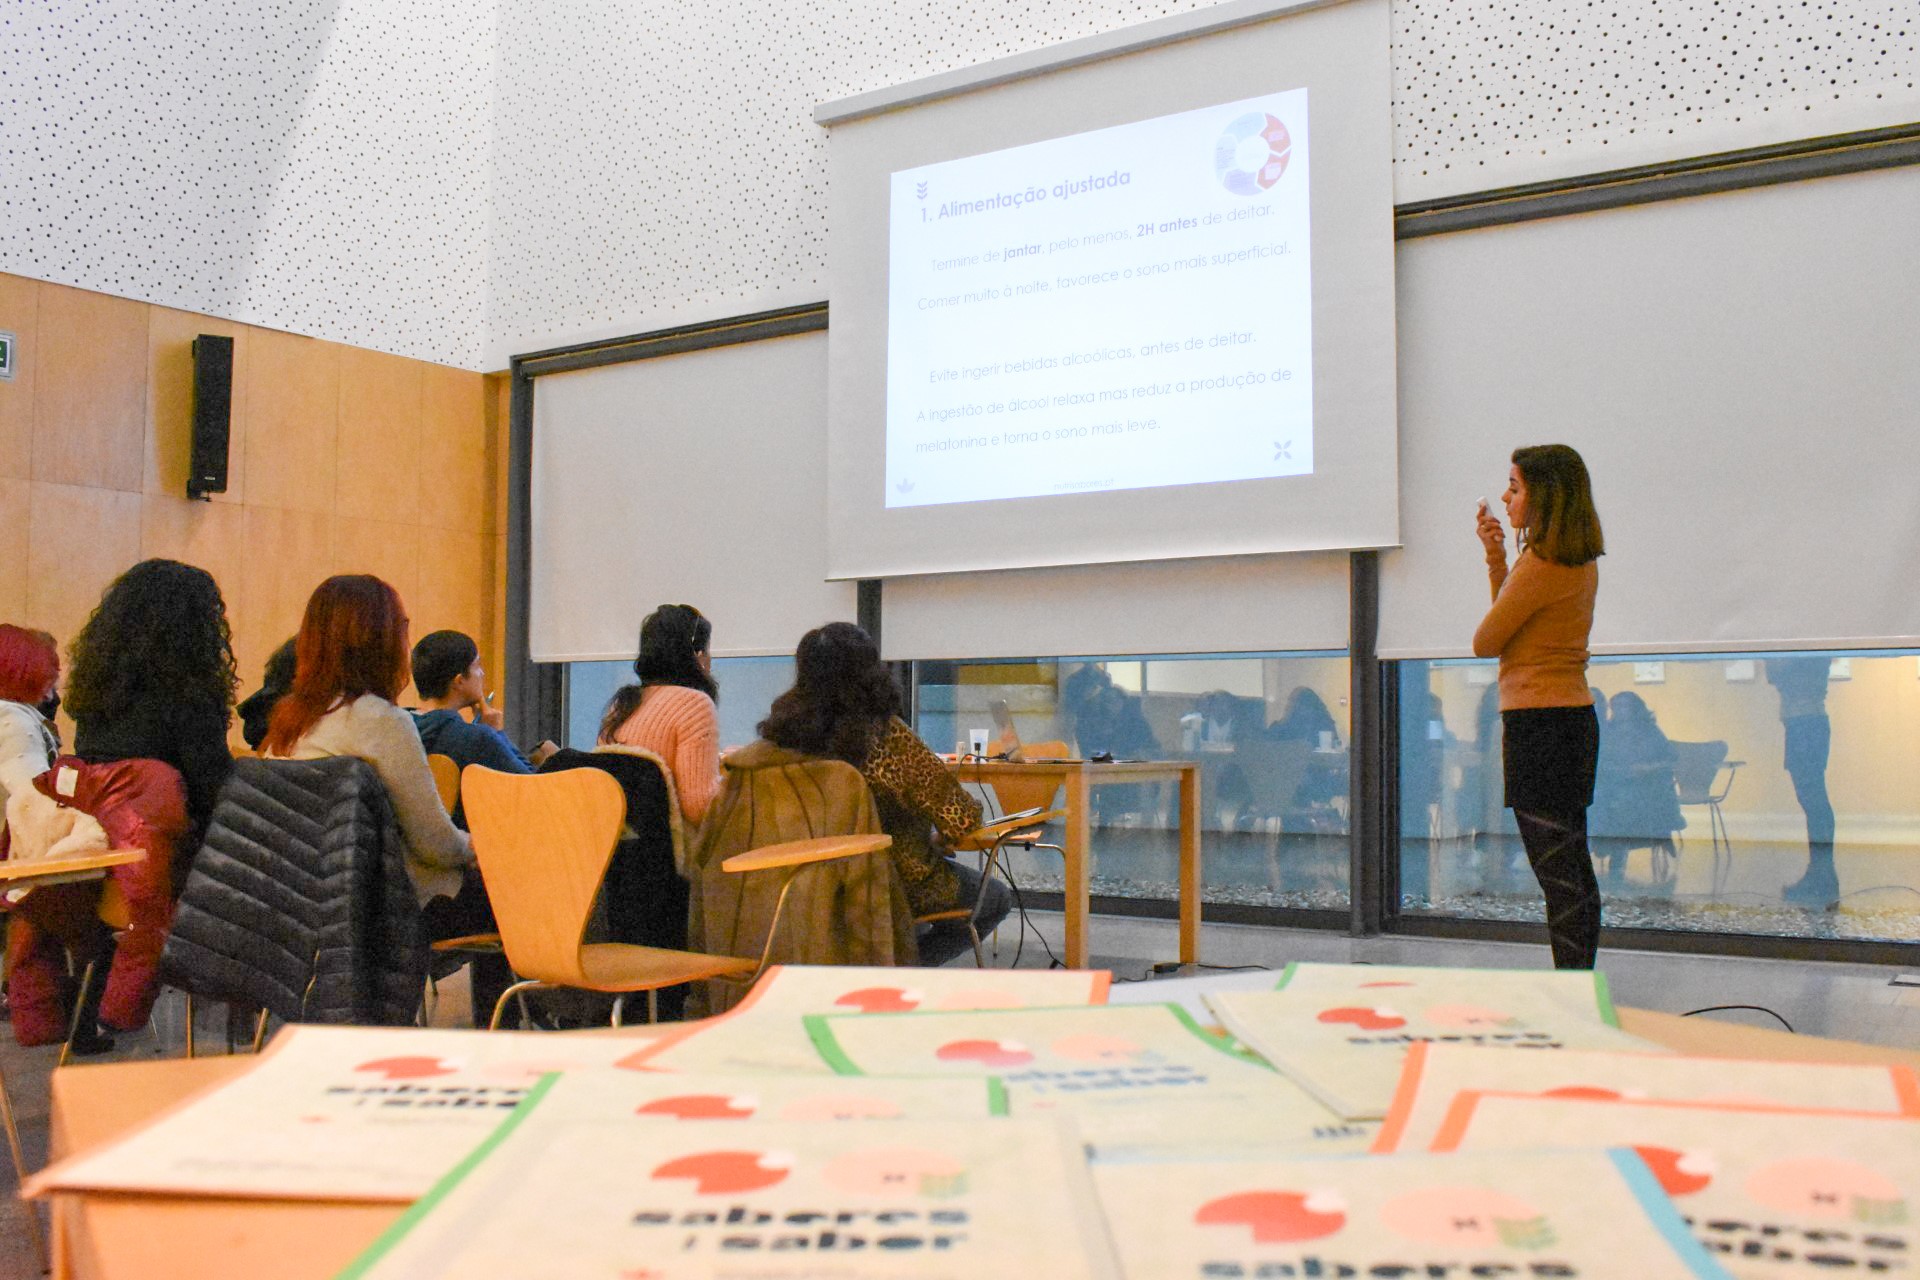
<point x="1353" y="1121"/>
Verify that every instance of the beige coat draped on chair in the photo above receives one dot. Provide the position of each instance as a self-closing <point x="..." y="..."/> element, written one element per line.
<point x="848" y="912"/>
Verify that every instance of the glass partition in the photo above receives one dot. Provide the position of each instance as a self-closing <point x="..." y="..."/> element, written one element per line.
<point x="1269" y="732"/>
<point x="1764" y="793"/>
<point x="748" y="687"/>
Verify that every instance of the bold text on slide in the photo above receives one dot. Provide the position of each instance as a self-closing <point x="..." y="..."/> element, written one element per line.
<point x="1121" y="309"/>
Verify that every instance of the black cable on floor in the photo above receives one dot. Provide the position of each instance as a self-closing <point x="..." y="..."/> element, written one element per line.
<point x="1020" y="905"/>
<point x="1752" y="1008"/>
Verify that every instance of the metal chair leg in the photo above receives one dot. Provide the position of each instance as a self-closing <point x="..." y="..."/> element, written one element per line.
<point x="619" y="1007"/>
<point x="79" y="1008"/>
<point x="260" y="1030"/>
<point x="500" y="1005"/>
<point x="653" y="1005"/>
<point x="189" y="1024"/>
<point x="20" y="1172"/>
<point x="973" y="935"/>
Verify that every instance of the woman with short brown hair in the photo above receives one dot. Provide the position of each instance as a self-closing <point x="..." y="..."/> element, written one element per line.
<point x="1538" y="626"/>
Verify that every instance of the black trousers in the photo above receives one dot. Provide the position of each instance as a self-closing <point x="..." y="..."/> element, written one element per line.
<point x="1550" y="755"/>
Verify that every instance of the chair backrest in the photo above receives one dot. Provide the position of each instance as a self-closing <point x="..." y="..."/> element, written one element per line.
<point x="543" y="842"/>
<point x="1273" y="770"/>
<point x="1014" y="795"/>
<point x="1695" y="766"/>
<point x="446" y="779"/>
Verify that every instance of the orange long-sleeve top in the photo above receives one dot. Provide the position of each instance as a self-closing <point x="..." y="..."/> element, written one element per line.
<point x="1541" y="616"/>
<point x="681" y="727"/>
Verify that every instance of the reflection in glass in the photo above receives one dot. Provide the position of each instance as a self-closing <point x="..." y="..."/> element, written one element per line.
<point x="1764" y="793"/>
<point x="1269" y="732"/>
<point x="748" y="687"/>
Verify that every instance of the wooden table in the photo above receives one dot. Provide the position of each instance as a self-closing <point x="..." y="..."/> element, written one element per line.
<point x="1079" y="778"/>
<point x="111" y="1237"/>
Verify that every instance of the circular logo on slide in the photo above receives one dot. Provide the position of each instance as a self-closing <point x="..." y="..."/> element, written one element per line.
<point x="1252" y="154"/>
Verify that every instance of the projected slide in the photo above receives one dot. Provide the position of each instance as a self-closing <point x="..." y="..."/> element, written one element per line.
<point x="1121" y="309"/>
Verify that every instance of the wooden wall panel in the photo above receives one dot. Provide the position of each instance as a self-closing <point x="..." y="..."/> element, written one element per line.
<point x="16" y="514"/>
<point x="388" y="549"/>
<point x="380" y="476"/>
<point x="288" y="554"/>
<point x="293" y="411"/>
<point x="80" y="540"/>
<point x="19" y="315"/>
<point x="453" y="583"/>
<point x="90" y="390"/>
<point x="341" y="460"/>
<point x="454" y="458"/>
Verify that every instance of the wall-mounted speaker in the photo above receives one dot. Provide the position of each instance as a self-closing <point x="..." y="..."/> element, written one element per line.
<point x="212" y="414"/>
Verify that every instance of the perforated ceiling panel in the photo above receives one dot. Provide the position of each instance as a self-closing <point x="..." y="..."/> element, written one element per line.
<point x="317" y="167"/>
<point x="663" y="170"/>
<point x="690" y="179"/>
<point x="358" y="170"/>
<point x="1492" y="93"/>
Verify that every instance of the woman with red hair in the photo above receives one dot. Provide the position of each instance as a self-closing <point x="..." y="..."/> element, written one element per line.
<point x="350" y="663"/>
<point x="29" y="671"/>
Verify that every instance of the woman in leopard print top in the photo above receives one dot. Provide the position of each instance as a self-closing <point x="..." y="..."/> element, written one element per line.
<point x="844" y="704"/>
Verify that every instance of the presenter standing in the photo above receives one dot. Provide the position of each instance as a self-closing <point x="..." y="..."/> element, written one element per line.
<point x="1538" y="626"/>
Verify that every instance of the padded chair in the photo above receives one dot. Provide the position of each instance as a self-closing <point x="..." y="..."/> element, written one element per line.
<point x="544" y="842"/>
<point x="140" y="804"/>
<point x="299" y="901"/>
<point x="1697" y="778"/>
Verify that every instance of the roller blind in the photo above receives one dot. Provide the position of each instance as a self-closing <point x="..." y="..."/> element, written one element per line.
<point x="696" y="478"/>
<point x="1222" y="605"/>
<point x="1740" y="373"/>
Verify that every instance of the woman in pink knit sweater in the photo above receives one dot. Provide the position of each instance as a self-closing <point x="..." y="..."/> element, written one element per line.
<point x="670" y="712"/>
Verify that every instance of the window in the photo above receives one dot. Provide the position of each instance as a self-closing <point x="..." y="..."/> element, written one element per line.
<point x="1270" y="732"/>
<point x="1763" y="793"/>
<point x="748" y="687"/>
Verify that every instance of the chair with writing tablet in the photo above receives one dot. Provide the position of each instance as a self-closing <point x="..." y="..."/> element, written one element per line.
<point x="543" y="842"/>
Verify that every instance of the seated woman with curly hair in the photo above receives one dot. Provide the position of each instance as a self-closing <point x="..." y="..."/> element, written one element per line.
<point x="844" y="705"/>
<point x="152" y="678"/>
<point x="151" y="681"/>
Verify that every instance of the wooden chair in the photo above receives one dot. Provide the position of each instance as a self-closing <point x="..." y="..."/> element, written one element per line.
<point x="18" y="879"/>
<point x="446" y="780"/>
<point x="113" y="913"/>
<point x="543" y="842"/>
<point x="990" y="841"/>
<point x="1016" y="795"/>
